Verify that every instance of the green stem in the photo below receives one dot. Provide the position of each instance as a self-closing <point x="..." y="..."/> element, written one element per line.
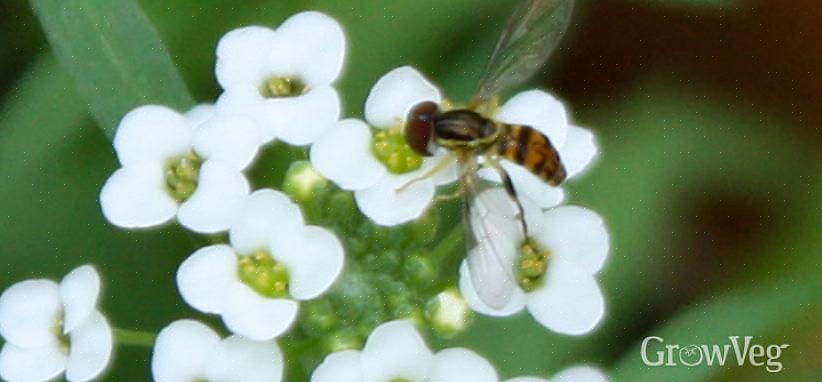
<point x="134" y="338"/>
<point x="444" y="250"/>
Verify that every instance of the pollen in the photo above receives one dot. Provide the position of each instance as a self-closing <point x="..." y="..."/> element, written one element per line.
<point x="182" y="175"/>
<point x="265" y="275"/>
<point x="278" y="87"/>
<point x="533" y="264"/>
<point x="393" y="151"/>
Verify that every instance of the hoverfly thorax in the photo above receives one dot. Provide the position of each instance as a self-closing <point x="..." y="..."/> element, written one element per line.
<point x="464" y="129"/>
<point x="419" y="128"/>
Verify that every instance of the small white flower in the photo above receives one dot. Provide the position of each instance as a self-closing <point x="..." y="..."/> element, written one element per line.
<point x="283" y="78"/>
<point x="396" y="351"/>
<point x="569" y="246"/>
<point x="576" y="146"/>
<point x="52" y="328"/>
<point x="185" y="166"/>
<point x="349" y="153"/>
<point x="189" y="351"/>
<point x="571" y="374"/>
<point x="274" y="261"/>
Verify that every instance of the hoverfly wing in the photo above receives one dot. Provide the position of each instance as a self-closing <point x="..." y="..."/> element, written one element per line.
<point x="533" y="31"/>
<point x="493" y="235"/>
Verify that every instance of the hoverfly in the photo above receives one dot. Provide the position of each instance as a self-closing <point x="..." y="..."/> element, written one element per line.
<point x="476" y="141"/>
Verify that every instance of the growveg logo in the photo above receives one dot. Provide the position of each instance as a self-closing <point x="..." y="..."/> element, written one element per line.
<point x="656" y="353"/>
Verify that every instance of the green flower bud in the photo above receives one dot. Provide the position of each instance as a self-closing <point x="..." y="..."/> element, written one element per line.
<point x="448" y="313"/>
<point x="304" y="184"/>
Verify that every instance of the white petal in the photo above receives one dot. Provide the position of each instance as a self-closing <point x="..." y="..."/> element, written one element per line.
<point x="152" y="134"/>
<point x="396" y="350"/>
<point x="343" y="154"/>
<point x="514" y="306"/>
<point x="580" y="374"/>
<point x="266" y="215"/>
<point x="220" y="194"/>
<point x="205" y="278"/>
<point x="528" y="184"/>
<point x="459" y="364"/>
<point x="231" y="139"/>
<point x="182" y="351"/>
<point x="29" y="311"/>
<point x="317" y="42"/>
<point x="395" y="94"/>
<point x="248" y="102"/>
<point x="31" y="365"/>
<point x="526" y="379"/>
<point x="302" y="119"/>
<point x="539" y="110"/>
<point x="450" y="174"/>
<point x="385" y="206"/>
<point x="79" y="291"/>
<point x="570" y="302"/>
<point x="136" y="197"/>
<point x="579" y="150"/>
<point x="575" y="234"/>
<point x="314" y="261"/>
<point x="91" y="346"/>
<point x="241" y="360"/>
<point x="339" y="366"/>
<point x="242" y="56"/>
<point x="256" y="317"/>
<point x="200" y="113"/>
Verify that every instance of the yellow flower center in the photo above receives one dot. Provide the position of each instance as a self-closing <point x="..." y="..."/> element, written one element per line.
<point x="393" y="151"/>
<point x="265" y="275"/>
<point x="278" y="87"/>
<point x="182" y="175"/>
<point x="533" y="264"/>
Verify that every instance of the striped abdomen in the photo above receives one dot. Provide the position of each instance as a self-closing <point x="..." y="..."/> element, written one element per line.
<point x="531" y="149"/>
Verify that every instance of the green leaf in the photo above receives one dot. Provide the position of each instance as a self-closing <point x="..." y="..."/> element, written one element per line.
<point x="114" y="55"/>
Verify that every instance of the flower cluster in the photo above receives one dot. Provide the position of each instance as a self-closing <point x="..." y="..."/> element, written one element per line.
<point x="338" y="259"/>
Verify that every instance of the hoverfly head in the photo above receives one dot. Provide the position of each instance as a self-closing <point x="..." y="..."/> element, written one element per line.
<point x="419" y="128"/>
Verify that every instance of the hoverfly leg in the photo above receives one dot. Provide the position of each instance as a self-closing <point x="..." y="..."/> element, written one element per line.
<point x="509" y="188"/>
<point x="439" y="167"/>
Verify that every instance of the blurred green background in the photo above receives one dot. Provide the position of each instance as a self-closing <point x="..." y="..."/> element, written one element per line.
<point x="707" y="114"/>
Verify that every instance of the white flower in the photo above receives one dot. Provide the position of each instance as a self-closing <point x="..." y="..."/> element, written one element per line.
<point x="347" y="153"/>
<point x="570" y="244"/>
<point x="274" y="261"/>
<point x="576" y="146"/>
<point x="571" y="374"/>
<point x="283" y="78"/>
<point x="189" y="351"/>
<point x="396" y="351"/>
<point x="184" y="166"/>
<point x="52" y="328"/>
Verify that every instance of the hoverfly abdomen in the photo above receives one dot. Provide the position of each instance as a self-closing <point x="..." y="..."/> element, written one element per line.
<point x="532" y="150"/>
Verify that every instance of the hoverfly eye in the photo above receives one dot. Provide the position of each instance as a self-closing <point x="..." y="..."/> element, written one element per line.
<point x="419" y="128"/>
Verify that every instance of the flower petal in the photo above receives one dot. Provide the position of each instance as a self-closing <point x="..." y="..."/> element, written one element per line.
<point x="256" y="317"/>
<point x="200" y="113"/>
<point x="459" y="364"/>
<point x="91" y="346"/>
<point x="152" y="134"/>
<point x="395" y="93"/>
<point x="231" y="139"/>
<point x="539" y="110"/>
<point x="221" y="193"/>
<point x="205" y="278"/>
<point x="339" y="366"/>
<point x="136" y="197"/>
<point x="266" y="215"/>
<point x="570" y="302"/>
<point x="578" y="151"/>
<point x="247" y="101"/>
<point x="396" y="350"/>
<point x="31" y="364"/>
<point x="79" y="291"/>
<point x="577" y="235"/>
<point x="317" y="42"/>
<point x="242" y="56"/>
<point x="242" y="360"/>
<point x="302" y="119"/>
<point x="314" y="261"/>
<point x="29" y="311"/>
<point x="385" y="206"/>
<point x="515" y="304"/>
<point x="343" y="154"/>
<point x="580" y="374"/>
<point x="527" y="379"/>
<point x="182" y="351"/>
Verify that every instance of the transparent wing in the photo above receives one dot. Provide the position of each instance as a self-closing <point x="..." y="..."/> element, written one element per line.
<point x="493" y="236"/>
<point x="533" y="31"/>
